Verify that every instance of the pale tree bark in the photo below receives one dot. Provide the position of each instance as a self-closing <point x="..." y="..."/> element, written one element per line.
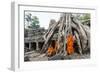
<point x="82" y="34"/>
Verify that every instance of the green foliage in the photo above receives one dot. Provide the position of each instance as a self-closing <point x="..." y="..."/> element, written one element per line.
<point x="28" y="17"/>
<point x="33" y="21"/>
<point x="85" y="17"/>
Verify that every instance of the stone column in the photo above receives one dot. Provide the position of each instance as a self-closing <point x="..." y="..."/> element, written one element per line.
<point x="37" y="46"/>
<point x="29" y="45"/>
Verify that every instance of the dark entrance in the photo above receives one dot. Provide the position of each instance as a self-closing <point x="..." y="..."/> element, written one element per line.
<point x="33" y="46"/>
<point x="40" y="45"/>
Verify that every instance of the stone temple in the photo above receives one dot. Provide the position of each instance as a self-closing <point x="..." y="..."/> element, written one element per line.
<point x="33" y="39"/>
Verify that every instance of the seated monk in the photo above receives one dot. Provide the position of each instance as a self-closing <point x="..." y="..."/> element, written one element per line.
<point x="51" y="51"/>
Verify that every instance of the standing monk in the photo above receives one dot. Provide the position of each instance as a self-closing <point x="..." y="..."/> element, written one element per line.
<point x="70" y="44"/>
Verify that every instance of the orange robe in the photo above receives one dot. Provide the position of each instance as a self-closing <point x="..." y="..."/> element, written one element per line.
<point x="70" y="43"/>
<point x="52" y="50"/>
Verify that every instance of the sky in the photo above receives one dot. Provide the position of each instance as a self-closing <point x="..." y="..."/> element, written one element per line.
<point x="44" y="17"/>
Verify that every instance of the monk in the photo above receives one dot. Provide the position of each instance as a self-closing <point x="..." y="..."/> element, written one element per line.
<point x="70" y="44"/>
<point x="52" y="49"/>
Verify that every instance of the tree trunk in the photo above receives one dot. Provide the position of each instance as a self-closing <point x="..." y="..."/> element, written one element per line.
<point x="82" y="35"/>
